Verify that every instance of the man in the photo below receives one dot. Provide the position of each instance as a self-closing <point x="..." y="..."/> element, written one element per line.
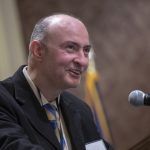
<point x="58" y="56"/>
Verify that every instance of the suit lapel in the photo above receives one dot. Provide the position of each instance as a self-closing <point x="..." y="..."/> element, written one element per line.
<point x="32" y="108"/>
<point x="73" y="122"/>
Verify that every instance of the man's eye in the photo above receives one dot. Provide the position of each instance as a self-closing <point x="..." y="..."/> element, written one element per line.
<point x="87" y="50"/>
<point x="70" y="46"/>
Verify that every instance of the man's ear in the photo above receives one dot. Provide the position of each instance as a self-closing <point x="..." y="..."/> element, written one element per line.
<point x="36" y="50"/>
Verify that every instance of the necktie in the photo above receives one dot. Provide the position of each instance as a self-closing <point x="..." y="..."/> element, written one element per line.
<point x="54" y="118"/>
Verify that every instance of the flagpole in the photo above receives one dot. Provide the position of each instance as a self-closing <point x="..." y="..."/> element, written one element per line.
<point x="93" y="98"/>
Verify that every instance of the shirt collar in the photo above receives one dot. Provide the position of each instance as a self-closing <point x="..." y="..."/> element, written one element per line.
<point x="42" y="100"/>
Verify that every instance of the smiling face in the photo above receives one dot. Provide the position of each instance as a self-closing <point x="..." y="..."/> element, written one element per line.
<point x="58" y="61"/>
<point x="66" y="57"/>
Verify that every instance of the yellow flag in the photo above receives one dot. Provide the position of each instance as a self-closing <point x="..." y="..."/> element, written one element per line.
<point x="93" y="98"/>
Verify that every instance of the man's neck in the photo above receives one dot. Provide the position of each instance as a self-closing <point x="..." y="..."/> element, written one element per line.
<point x="49" y="92"/>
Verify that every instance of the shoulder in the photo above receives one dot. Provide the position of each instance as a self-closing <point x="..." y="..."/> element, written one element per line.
<point x="6" y="92"/>
<point x="70" y="98"/>
<point x="6" y="85"/>
<point x="75" y="103"/>
<point x="9" y="83"/>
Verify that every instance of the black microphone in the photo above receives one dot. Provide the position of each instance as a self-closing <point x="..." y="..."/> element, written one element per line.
<point x="139" y="98"/>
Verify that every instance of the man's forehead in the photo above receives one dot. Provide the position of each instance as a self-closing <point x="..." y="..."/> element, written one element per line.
<point x="67" y="28"/>
<point x="63" y="21"/>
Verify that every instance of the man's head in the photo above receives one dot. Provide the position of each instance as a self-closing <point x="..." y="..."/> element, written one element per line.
<point x="58" y="51"/>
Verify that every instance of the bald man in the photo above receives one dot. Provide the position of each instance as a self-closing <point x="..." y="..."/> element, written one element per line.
<point x="58" y="56"/>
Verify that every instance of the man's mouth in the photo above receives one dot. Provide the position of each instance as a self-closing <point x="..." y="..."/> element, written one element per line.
<point x="75" y="72"/>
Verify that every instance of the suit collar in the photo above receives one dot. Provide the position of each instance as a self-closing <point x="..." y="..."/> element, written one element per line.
<point x="32" y="108"/>
<point x="72" y="118"/>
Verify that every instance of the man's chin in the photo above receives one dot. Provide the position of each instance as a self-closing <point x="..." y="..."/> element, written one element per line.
<point x="74" y="84"/>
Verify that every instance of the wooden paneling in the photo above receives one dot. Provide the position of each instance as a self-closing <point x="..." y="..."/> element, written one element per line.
<point x="120" y="33"/>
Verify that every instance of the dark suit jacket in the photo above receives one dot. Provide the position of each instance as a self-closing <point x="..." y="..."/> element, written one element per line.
<point x="24" y="124"/>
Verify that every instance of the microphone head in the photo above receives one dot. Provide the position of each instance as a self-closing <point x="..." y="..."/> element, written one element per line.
<point x="136" y="98"/>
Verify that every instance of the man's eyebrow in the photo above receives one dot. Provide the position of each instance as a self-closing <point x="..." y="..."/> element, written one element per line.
<point x="72" y="42"/>
<point x="77" y="44"/>
<point x="88" y="46"/>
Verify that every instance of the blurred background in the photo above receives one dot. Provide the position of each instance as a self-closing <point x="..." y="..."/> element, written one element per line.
<point x="120" y="35"/>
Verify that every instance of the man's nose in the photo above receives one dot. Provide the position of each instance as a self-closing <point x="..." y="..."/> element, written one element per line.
<point x="81" y="59"/>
